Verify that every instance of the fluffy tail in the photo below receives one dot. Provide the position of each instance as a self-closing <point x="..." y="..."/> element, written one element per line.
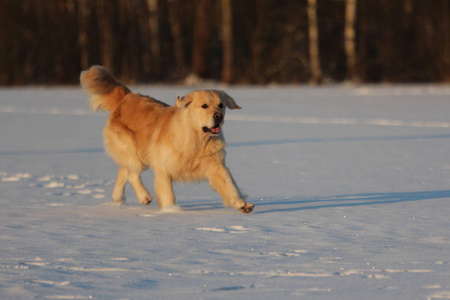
<point x="107" y="93"/>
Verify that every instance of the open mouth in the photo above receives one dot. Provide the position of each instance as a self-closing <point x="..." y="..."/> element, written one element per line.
<point x="213" y="130"/>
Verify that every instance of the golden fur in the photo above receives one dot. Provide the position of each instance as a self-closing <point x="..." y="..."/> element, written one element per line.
<point x="183" y="142"/>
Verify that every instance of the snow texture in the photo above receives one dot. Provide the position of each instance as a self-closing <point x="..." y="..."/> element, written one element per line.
<point x="351" y="186"/>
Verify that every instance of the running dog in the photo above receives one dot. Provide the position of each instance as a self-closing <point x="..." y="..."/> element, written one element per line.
<point x="183" y="142"/>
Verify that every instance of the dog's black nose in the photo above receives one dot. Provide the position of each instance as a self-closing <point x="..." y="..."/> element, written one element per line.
<point x="218" y="117"/>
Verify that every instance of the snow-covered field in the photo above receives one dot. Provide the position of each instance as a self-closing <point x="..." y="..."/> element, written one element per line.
<point x="351" y="186"/>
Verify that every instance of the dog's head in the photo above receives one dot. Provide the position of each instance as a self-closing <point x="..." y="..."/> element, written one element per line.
<point x="206" y="109"/>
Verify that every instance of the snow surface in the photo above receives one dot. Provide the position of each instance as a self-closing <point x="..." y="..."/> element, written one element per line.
<point x="351" y="186"/>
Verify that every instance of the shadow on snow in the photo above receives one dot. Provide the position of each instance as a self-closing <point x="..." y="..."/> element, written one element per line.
<point x="274" y="205"/>
<point x="297" y="204"/>
<point x="341" y="139"/>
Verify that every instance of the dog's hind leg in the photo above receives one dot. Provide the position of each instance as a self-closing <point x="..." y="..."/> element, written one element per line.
<point x="124" y="175"/>
<point x="119" y="189"/>
<point x="142" y="194"/>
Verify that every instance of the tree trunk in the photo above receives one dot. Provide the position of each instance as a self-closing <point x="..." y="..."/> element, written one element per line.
<point x="155" y="47"/>
<point x="313" y="32"/>
<point x="445" y="66"/>
<point x="83" y="25"/>
<point x="201" y="37"/>
<point x="106" y="34"/>
<point x="362" y="42"/>
<point x="349" y="42"/>
<point x="227" y="41"/>
<point x="257" y="42"/>
<point x="177" y="35"/>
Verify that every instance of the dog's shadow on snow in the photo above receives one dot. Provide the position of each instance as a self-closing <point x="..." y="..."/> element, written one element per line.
<point x="273" y="205"/>
<point x="339" y="139"/>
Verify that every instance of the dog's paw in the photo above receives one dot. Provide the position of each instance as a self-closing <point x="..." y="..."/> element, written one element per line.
<point x="146" y="200"/>
<point x="247" y="208"/>
<point x="120" y="200"/>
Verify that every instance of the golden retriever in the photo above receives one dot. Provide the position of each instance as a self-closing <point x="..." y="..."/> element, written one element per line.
<point x="183" y="142"/>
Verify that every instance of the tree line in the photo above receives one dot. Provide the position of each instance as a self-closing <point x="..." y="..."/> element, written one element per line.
<point x="232" y="41"/>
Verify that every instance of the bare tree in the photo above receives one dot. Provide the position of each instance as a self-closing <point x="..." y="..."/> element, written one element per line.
<point x="445" y="74"/>
<point x="106" y="33"/>
<point x="83" y="27"/>
<point x="200" y="38"/>
<point x="227" y="41"/>
<point x="153" y="24"/>
<point x="257" y="41"/>
<point x="313" y="32"/>
<point x="177" y="35"/>
<point x="349" y="36"/>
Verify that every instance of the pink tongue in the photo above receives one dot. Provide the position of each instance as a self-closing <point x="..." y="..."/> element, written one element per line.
<point x="215" y="130"/>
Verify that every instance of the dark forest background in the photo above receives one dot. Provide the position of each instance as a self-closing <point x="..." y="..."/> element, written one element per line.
<point x="233" y="41"/>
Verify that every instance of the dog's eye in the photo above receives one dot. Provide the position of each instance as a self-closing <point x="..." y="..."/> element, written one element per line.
<point x="205" y="106"/>
<point x="220" y="105"/>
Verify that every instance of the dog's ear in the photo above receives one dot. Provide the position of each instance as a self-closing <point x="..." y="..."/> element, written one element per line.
<point x="183" y="102"/>
<point x="229" y="102"/>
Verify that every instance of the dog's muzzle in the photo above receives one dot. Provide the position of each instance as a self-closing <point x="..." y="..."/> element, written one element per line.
<point x="218" y="118"/>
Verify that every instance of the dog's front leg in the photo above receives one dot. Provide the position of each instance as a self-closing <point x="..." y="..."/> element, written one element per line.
<point x="222" y="182"/>
<point x="163" y="189"/>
